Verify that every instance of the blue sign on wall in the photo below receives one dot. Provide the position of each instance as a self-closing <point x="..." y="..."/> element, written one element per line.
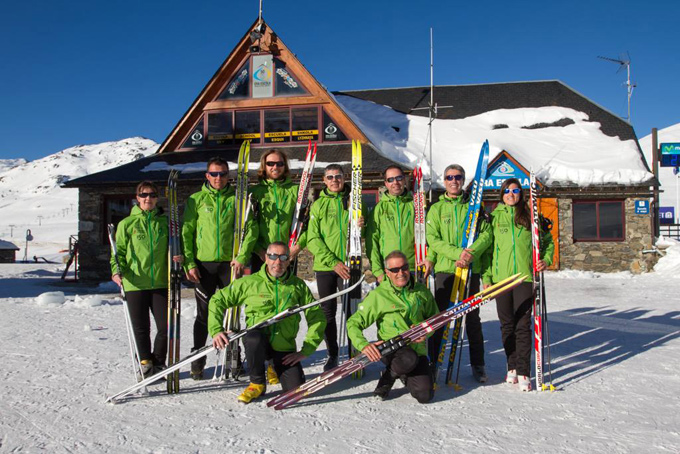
<point x="670" y="154"/>
<point x="666" y="215"/>
<point x="502" y="170"/>
<point x="642" y="207"/>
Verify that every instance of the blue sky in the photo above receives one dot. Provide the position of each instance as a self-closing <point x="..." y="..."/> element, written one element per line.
<point x="87" y="72"/>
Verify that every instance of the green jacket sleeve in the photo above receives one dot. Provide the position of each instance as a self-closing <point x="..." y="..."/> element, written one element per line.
<point x="483" y="242"/>
<point x="359" y="321"/>
<point x="484" y="229"/>
<point x="249" y="241"/>
<point x="435" y="240"/>
<point x="219" y="303"/>
<point x="373" y="244"/>
<point x="316" y="325"/>
<point x="315" y="242"/>
<point x="189" y="233"/>
<point x="121" y="249"/>
<point x="547" y="248"/>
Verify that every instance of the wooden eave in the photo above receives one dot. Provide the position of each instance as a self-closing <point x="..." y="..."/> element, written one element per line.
<point x="269" y="43"/>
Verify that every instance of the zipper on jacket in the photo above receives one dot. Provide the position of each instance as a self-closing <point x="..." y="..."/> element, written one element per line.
<point x="217" y="226"/>
<point x="514" y="254"/>
<point x="148" y="226"/>
<point x="399" y="223"/>
<point x="342" y="230"/>
<point x="276" y="202"/>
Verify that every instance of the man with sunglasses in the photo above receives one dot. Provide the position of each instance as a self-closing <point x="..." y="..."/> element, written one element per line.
<point x="327" y="241"/>
<point x="394" y="306"/>
<point x="390" y="225"/>
<point x="446" y="221"/>
<point x="208" y="236"/>
<point x="264" y="294"/>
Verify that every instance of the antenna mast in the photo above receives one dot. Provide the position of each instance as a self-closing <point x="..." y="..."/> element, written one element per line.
<point x="630" y="86"/>
<point x="259" y="17"/>
<point x="432" y="109"/>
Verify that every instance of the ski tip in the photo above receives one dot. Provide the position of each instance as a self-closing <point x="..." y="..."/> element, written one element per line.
<point x="548" y="387"/>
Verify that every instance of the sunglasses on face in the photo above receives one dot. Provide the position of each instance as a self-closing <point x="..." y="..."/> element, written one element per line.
<point x="218" y="174"/>
<point x="514" y="191"/>
<point x="393" y="179"/>
<point x="395" y="270"/>
<point x="338" y="176"/>
<point x="453" y="177"/>
<point x="282" y="257"/>
<point x="144" y="195"/>
<point x="274" y="163"/>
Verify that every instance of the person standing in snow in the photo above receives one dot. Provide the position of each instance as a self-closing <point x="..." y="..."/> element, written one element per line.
<point x="327" y="241"/>
<point x="142" y="247"/>
<point x="276" y="197"/>
<point x="390" y="226"/>
<point x="510" y="239"/>
<point x="394" y="306"/>
<point x="264" y="294"/>
<point x="446" y="222"/>
<point x="208" y="236"/>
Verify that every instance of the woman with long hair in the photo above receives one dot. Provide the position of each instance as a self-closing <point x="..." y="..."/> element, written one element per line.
<point x="510" y="240"/>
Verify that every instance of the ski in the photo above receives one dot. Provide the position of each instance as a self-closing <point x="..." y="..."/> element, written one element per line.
<point x="418" y="331"/>
<point x="175" y="280"/>
<point x="419" y="221"/>
<point x="459" y="289"/>
<point x="303" y="196"/>
<point x="200" y="353"/>
<point x="134" y="350"/>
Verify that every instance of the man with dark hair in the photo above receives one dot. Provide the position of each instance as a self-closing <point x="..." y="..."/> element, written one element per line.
<point x="208" y="236"/>
<point x="391" y="224"/>
<point x="264" y="294"/>
<point x="394" y="306"/>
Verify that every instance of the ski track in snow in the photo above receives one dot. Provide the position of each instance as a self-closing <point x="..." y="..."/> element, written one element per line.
<point x="614" y="345"/>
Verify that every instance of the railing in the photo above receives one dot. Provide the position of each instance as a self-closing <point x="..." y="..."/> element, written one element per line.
<point x="670" y="231"/>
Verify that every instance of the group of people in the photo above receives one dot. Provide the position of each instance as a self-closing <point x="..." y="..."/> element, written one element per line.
<point x="503" y="248"/>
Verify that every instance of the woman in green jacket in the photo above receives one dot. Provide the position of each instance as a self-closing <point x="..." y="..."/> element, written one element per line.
<point x="276" y="196"/>
<point x="510" y="240"/>
<point x="142" y="247"/>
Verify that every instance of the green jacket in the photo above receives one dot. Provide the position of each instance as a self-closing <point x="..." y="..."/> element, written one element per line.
<point x="445" y="233"/>
<point x="390" y="228"/>
<point x="327" y="232"/>
<point x="276" y="207"/>
<point x="264" y="297"/>
<point x="394" y="310"/>
<point x="142" y="245"/>
<point x="511" y="246"/>
<point x="208" y="228"/>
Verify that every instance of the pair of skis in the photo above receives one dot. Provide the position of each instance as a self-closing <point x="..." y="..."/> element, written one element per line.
<point x="540" y="310"/>
<point x="418" y="331"/>
<point x="460" y="282"/>
<point x="200" y="353"/>
<point x="353" y="260"/>
<point x="231" y="355"/>
<point x="419" y="220"/>
<point x="302" y="204"/>
<point x="175" y="281"/>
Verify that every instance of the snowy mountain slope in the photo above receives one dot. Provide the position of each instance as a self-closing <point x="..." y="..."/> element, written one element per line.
<point x="31" y="196"/>
<point x="669" y="181"/>
<point x="8" y="164"/>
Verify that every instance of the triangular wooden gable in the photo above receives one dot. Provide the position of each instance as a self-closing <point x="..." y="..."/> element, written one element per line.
<point x="212" y="98"/>
<point x="495" y="173"/>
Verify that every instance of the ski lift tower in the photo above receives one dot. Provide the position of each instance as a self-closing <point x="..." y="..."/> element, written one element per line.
<point x="624" y="62"/>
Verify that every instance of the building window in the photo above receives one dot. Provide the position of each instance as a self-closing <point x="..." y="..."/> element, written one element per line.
<point x="286" y="83"/>
<point x="220" y="129"/>
<point x="247" y="126"/>
<point x="238" y="87"/>
<point x="116" y="208"/>
<point x="599" y="220"/>
<point x="195" y="138"/>
<point x="305" y="124"/>
<point x="277" y="126"/>
<point x="331" y="131"/>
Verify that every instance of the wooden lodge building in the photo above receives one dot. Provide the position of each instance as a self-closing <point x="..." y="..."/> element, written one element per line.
<point x="263" y="93"/>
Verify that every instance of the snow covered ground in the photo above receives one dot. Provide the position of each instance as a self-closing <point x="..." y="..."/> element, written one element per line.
<point x="615" y="345"/>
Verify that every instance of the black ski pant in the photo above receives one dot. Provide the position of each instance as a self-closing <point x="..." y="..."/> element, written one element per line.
<point x="140" y="303"/>
<point x="473" y="323"/>
<point x="405" y="362"/>
<point x="328" y="282"/>
<point x="514" y="312"/>
<point x="213" y="274"/>
<point x="258" y="350"/>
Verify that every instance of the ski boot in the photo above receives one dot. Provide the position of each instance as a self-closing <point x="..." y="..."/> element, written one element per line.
<point x="272" y="377"/>
<point x="385" y="384"/>
<point x="253" y="391"/>
<point x="197" y="368"/>
<point x="331" y="363"/>
<point x="479" y="374"/>
<point x="524" y="382"/>
<point x="511" y="377"/>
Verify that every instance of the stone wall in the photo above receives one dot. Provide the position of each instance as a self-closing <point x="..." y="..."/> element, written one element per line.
<point x="607" y="256"/>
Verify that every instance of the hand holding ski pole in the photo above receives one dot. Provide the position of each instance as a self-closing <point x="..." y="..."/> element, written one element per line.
<point x="237" y="268"/>
<point x="116" y="278"/>
<point x="342" y="270"/>
<point x="541" y="266"/>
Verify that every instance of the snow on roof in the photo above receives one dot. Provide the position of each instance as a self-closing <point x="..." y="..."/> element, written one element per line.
<point x="4" y="245"/>
<point x="559" y="143"/>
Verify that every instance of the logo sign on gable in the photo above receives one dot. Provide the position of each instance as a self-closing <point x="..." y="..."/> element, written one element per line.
<point x="502" y="170"/>
<point x="263" y="83"/>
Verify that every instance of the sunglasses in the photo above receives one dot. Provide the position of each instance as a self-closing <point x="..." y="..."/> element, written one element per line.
<point x="393" y="179"/>
<point x="218" y="174"/>
<point x="275" y="163"/>
<point x="514" y="191"/>
<point x="282" y="257"/>
<point x="338" y="176"/>
<point x="453" y="177"/>
<point x="395" y="270"/>
<point x="144" y="195"/>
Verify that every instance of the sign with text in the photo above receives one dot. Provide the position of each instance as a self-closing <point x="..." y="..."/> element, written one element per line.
<point x="263" y="76"/>
<point x="666" y="215"/>
<point x="670" y="154"/>
<point x="642" y="207"/>
<point x="502" y="170"/>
